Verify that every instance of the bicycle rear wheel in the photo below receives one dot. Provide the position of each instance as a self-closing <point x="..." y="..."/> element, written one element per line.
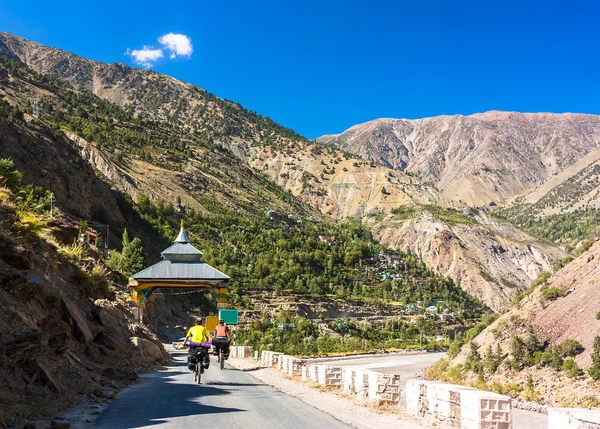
<point x="198" y="372"/>
<point x="221" y="360"/>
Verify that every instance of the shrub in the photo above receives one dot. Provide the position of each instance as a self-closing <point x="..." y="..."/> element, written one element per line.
<point x="473" y="360"/>
<point x="455" y="373"/>
<point x="552" y="293"/>
<point x="569" y="348"/>
<point x="541" y="278"/>
<point x="74" y="252"/>
<point x="598" y="315"/>
<point x="571" y="369"/>
<point x="454" y="349"/>
<point x="31" y="223"/>
<point x="548" y="358"/>
<point x="9" y="177"/>
<point x="584" y="247"/>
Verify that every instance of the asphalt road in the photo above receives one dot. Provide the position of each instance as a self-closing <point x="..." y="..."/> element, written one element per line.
<point x="227" y="398"/>
<point x="407" y="366"/>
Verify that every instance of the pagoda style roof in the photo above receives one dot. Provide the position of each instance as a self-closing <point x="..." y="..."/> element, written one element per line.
<point x="180" y="270"/>
<point x="182" y="252"/>
<point x="181" y="262"/>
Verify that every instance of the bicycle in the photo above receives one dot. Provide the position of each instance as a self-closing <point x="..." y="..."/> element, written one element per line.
<point x="221" y="344"/>
<point x="200" y="361"/>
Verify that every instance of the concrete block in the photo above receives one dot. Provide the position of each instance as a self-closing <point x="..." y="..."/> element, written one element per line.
<point x="573" y="418"/>
<point x="272" y="358"/>
<point x="330" y="376"/>
<point x="295" y="366"/>
<point x="384" y="388"/>
<point x="459" y="405"/>
<point x="256" y="355"/>
<point x="348" y="375"/>
<point x="361" y="383"/>
<point x="313" y="373"/>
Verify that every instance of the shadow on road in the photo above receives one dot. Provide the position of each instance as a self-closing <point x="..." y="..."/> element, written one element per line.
<point x="160" y="397"/>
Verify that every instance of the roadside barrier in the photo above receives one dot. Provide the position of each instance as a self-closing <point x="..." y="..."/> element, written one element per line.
<point x="462" y="406"/>
<point x="240" y="352"/>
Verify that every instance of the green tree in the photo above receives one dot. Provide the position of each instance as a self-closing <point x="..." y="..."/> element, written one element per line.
<point x="518" y="352"/>
<point x="133" y="257"/>
<point x="594" y="370"/>
<point x="571" y="369"/>
<point x="9" y="177"/>
<point x="532" y="344"/>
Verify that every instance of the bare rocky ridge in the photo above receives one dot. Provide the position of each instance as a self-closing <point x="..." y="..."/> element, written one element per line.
<point x="490" y="259"/>
<point x="477" y="159"/>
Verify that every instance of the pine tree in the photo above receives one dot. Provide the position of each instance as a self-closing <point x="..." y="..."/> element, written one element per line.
<point x="594" y="370"/>
<point x="133" y="257"/>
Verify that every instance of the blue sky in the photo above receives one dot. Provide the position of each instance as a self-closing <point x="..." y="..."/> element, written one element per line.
<point x="322" y="66"/>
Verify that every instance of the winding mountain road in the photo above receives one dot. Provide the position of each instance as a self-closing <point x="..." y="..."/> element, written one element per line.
<point x="228" y="398"/>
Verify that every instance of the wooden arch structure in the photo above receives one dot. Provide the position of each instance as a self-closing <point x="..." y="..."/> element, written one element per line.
<point x="182" y="268"/>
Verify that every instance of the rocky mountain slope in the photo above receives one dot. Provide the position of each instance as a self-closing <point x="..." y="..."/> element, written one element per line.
<point x="65" y="334"/>
<point x="489" y="258"/>
<point x="566" y="307"/>
<point x="170" y="139"/>
<point x="477" y="159"/>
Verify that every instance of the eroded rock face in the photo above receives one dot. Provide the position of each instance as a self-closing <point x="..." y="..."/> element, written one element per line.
<point x="491" y="259"/>
<point x="572" y="316"/>
<point x="56" y="344"/>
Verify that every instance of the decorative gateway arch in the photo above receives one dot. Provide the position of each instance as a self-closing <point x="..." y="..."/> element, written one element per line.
<point x="182" y="268"/>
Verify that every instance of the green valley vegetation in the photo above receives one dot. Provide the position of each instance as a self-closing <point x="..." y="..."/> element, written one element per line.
<point x="559" y="216"/>
<point x="566" y="229"/>
<point x="446" y="214"/>
<point x="301" y="337"/>
<point x="287" y="255"/>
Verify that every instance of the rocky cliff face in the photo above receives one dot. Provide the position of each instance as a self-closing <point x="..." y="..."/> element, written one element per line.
<point x="479" y="158"/>
<point x="490" y="259"/>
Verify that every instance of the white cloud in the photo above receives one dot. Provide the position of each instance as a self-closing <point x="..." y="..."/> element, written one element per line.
<point x="178" y="44"/>
<point x="145" y="57"/>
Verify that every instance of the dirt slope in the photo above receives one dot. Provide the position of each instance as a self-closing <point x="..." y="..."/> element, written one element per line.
<point x="60" y="338"/>
<point x="570" y="317"/>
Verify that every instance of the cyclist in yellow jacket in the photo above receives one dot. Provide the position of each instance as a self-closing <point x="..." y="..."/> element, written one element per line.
<point x="198" y="335"/>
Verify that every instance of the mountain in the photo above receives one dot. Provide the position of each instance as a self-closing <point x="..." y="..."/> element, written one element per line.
<point x="565" y="209"/>
<point x="554" y="321"/>
<point x="147" y="134"/>
<point x="479" y="159"/>
<point x="490" y="258"/>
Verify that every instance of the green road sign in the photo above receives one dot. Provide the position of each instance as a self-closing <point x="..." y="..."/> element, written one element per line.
<point x="229" y="316"/>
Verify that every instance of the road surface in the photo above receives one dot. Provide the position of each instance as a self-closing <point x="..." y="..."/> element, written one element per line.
<point x="407" y="366"/>
<point x="226" y="399"/>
